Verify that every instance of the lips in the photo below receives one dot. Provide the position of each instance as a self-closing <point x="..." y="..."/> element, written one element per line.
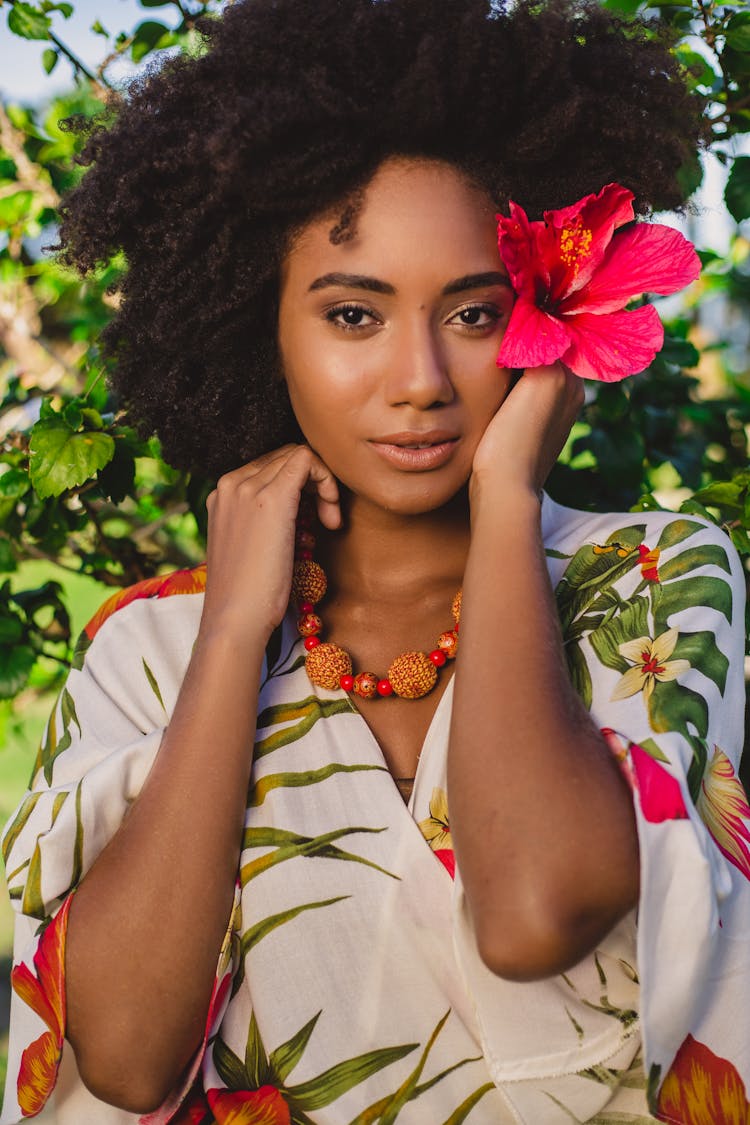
<point x="417" y="451"/>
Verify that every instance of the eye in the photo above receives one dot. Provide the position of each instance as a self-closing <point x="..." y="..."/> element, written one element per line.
<point x="350" y="317"/>
<point x="478" y="317"/>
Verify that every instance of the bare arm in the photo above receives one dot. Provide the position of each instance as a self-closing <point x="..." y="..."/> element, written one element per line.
<point x="147" y="921"/>
<point x="542" y="821"/>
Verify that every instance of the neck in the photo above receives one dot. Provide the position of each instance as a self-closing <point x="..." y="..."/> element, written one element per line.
<point x="382" y="555"/>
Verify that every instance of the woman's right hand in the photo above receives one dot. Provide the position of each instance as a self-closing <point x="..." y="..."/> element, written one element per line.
<point x="252" y="516"/>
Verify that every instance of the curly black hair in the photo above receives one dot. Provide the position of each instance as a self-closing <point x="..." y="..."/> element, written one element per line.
<point x="213" y="161"/>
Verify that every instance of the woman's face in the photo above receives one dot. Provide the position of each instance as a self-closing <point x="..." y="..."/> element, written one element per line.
<point x="389" y="341"/>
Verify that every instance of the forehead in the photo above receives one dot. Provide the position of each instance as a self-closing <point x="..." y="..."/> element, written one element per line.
<point x="414" y="217"/>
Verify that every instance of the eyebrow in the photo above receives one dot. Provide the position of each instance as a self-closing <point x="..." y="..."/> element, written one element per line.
<point x="374" y="285"/>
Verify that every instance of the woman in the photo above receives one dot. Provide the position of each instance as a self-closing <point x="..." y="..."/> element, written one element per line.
<point x="313" y="311"/>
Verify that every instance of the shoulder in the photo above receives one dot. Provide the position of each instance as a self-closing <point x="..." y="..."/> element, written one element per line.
<point x="653" y="546"/>
<point x="146" y="598"/>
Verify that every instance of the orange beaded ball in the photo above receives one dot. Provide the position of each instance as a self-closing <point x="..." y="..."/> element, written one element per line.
<point x="326" y="664"/>
<point x="456" y="608"/>
<point x="412" y="675"/>
<point x="309" y="582"/>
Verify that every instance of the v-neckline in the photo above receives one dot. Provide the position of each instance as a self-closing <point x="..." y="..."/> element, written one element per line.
<point x="444" y="703"/>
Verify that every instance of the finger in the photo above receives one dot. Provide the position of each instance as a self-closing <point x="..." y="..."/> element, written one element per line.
<point x="323" y="486"/>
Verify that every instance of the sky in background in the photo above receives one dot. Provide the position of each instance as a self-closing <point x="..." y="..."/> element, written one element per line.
<point x="22" y="79"/>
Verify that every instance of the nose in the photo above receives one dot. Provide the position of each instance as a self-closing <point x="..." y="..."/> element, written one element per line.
<point x="418" y="373"/>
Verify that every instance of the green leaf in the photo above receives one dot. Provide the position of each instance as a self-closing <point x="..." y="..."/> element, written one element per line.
<point x="264" y="785"/>
<point x="676" y="531"/>
<point x="7" y="557"/>
<point x="229" y="1067"/>
<point x="152" y="682"/>
<point x="335" y="1082"/>
<point x="701" y="650"/>
<point x="308" y="711"/>
<point x="72" y="415"/>
<point x="626" y="626"/>
<point x="261" y="929"/>
<point x="61" y="458"/>
<point x="15" y="667"/>
<point x="578" y="672"/>
<point x="462" y="1111"/>
<point x="284" y="1059"/>
<point x="671" y="597"/>
<point x="672" y="706"/>
<point x="50" y="59"/>
<point x="15" y="208"/>
<point x="99" y="29"/>
<point x="148" y="36"/>
<point x="737" y="191"/>
<point x="16" y="827"/>
<point x="257" y="1066"/>
<point x="738" y="32"/>
<point x="708" y="554"/>
<point x="723" y="493"/>
<point x="28" y="22"/>
<point x="292" y="846"/>
<point x="78" y="843"/>
<point x="653" y="750"/>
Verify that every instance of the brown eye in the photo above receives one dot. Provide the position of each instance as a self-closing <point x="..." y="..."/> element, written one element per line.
<point x="350" y="316"/>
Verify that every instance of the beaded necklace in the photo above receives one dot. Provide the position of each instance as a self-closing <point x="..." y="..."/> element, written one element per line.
<point x="410" y="676"/>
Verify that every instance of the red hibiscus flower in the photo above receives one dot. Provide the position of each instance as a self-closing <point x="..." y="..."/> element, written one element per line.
<point x="574" y="273"/>
<point x="659" y="792"/>
<point x="44" y="992"/>
<point x="264" y="1106"/>
<point x="702" y="1087"/>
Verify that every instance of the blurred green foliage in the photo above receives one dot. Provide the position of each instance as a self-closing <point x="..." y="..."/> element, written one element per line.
<point x="77" y="486"/>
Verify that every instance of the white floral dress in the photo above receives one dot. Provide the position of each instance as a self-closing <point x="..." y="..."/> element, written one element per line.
<point x="349" y="990"/>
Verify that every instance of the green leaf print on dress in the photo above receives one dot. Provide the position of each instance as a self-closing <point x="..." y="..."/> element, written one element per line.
<point x="636" y="637"/>
<point x="263" y="1078"/>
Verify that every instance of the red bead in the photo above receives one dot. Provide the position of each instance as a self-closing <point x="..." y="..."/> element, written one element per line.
<point x="306" y="607"/>
<point x="385" y="687"/>
<point x="311" y="642"/>
<point x="306" y="540"/>
<point x="346" y="683"/>
<point x="438" y="657"/>
<point x="305" y="553"/>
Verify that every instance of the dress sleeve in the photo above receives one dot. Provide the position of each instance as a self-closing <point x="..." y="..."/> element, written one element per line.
<point x="99" y="744"/>
<point x="653" y="618"/>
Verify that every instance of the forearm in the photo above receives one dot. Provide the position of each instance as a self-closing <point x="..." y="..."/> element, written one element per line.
<point x="147" y="921"/>
<point x="541" y="819"/>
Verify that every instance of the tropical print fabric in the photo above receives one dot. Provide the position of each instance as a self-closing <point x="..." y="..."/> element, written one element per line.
<point x="349" y="990"/>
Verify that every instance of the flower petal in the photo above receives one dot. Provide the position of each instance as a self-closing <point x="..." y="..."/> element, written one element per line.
<point x="577" y="237"/>
<point x="634" y="650"/>
<point x="629" y="684"/>
<point x="264" y="1106"/>
<point x="672" y="669"/>
<point x="701" y="1087"/>
<point x="659" y="792"/>
<point x="723" y="805"/>
<point x="663" y="647"/>
<point x="533" y="338"/>
<point x="37" y="1074"/>
<point x="647" y="258"/>
<point x="518" y="243"/>
<point x="614" y="345"/>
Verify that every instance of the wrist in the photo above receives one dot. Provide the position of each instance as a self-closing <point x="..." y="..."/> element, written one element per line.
<point x="498" y="503"/>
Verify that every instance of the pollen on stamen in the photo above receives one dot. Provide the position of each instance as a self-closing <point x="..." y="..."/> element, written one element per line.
<point x="575" y="244"/>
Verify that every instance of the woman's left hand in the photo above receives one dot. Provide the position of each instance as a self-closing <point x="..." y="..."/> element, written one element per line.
<point x="526" y="435"/>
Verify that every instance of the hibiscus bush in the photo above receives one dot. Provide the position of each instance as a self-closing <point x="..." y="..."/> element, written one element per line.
<point x="81" y="490"/>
